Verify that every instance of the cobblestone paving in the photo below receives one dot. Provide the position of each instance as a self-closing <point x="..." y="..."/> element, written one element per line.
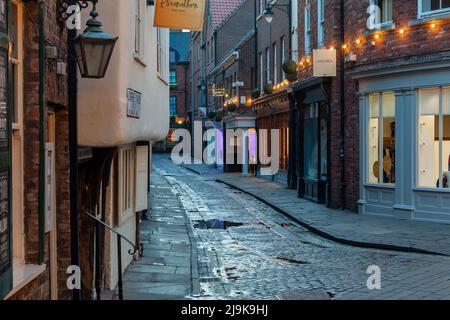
<point x="269" y="254"/>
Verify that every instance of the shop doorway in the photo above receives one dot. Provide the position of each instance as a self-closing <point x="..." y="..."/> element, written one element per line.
<point x="314" y="152"/>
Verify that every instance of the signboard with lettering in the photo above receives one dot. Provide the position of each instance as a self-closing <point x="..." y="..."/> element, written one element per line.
<point x="179" y="14"/>
<point x="134" y="103"/>
<point x="4" y="223"/>
<point x="324" y="62"/>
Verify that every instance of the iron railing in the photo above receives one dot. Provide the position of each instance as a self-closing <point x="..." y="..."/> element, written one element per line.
<point x="101" y="225"/>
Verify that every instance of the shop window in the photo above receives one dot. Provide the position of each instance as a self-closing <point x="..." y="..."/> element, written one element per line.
<point x="381" y="135"/>
<point x="434" y="138"/>
<point x="430" y="7"/>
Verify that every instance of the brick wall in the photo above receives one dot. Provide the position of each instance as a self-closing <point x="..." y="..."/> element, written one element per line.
<point x="351" y="150"/>
<point x="55" y="96"/>
<point x="181" y="88"/>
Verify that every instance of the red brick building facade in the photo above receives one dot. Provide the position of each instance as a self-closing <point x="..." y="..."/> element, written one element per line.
<point x="35" y="258"/>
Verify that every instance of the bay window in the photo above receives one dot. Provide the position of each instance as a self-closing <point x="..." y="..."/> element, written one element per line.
<point x="430" y="7"/>
<point x="434" y="137"/>
<point x="381" y="136"/>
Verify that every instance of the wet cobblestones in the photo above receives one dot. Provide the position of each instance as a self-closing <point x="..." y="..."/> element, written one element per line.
<point x="269" y="254"/>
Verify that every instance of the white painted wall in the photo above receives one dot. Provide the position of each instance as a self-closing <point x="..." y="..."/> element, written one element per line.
<point x="102" y="104"/>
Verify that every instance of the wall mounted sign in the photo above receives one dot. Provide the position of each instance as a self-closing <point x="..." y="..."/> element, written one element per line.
<point x="179" y="14"/>
<point x="324" y="62"/>
<point x="134" y="103"/>
<point x="5" y="262"/>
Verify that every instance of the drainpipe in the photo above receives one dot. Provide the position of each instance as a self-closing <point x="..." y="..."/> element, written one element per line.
<point x="73" y="153"/>
<point x="342" y="104"/>
<point x="42" y="124"/>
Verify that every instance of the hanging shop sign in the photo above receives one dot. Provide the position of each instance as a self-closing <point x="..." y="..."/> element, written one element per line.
<point x="179" y="14"/>
<point x="324" y="62"/>
<point x="134" y="103"/>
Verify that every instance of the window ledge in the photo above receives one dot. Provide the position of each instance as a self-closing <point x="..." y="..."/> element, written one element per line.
<point x="139" y="60"/>
<point x="23" y="274"/>
<point x="428" y="189"/>
<point x="383" y="27"/>
<point x="428" y="18"/>
<point x="380" y="185"/>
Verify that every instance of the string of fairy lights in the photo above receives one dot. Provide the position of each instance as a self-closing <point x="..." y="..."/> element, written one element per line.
<point x="372" y="39"/>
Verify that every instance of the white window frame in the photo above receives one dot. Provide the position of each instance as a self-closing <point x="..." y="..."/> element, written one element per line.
<point x="307" y="18"/>
<point x="283" y="54"/>
<point x="268" y="65"/>
<point x="275" y="63"/>
<point x="139" y="42"/>
<point x="162" y="47"/>
<point x="380" y="140"/>
<point x="422" y="14"/>
<point x="382" y="23"/>
<point x="440" y="90"/>
<point x="320" y="23"/>
<point x="261" y="70"/>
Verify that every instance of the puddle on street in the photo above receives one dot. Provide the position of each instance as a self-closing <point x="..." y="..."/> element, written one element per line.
<point x="216" y="224"/>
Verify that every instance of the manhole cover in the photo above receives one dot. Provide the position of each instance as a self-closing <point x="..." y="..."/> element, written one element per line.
<point x="304" y="295"/>
<point x="216" y="224"/>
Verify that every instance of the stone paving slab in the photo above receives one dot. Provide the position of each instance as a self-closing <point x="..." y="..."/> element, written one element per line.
<point x="340" y="225"/>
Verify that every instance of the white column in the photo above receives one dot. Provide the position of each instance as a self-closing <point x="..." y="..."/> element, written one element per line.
<point x="245" y="162"/>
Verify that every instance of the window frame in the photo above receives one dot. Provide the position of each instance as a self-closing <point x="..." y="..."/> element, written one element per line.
<point x="320" y="23"/>
<point x="172" y="76"/>
<point x="424" y="14"/>
<point x="440" y="115"/>
<point x="173" y="99"/>
<point x="383" y="24"/>
<point x="307" y="36"/>
<point x="380" y="142"/>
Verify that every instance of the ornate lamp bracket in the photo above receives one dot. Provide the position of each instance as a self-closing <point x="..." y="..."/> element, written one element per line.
<point x="64" y="12"/>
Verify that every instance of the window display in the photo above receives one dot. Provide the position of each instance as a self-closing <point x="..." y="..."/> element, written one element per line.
<point x="434" y="137"/>
<point x="381" y="137"/>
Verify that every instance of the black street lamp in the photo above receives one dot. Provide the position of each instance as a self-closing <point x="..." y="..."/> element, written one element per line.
<point x="268" y="14"/>
<point x="94" y="47"/>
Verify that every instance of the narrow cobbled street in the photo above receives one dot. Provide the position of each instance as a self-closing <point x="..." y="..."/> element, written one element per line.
<point x="205" y="240"/>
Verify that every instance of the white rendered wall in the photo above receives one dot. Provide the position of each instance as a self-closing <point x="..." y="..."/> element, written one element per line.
<point x="102" y="104"/>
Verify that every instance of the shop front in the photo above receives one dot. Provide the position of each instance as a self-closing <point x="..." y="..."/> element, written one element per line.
<point x="310" y="137"/>
<point x="272" y="112"/>
<point x="405" y="142"/>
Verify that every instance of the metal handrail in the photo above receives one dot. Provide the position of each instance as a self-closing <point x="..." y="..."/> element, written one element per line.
<point x="119" y="251"/>
<point x="131" y="251"/>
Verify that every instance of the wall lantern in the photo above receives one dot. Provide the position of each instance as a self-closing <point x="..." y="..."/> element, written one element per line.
<point x="94" y="47"/>
<point x="268" y="14"/>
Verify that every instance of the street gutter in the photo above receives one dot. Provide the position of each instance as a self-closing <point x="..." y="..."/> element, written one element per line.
<point x="328" y="235"/>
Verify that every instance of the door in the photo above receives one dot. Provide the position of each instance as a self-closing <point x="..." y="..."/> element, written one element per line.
<point x="5" y="156"/>
<point x="314" y="152"/>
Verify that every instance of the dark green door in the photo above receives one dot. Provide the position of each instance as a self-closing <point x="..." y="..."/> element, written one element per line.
<point x="5" y="156"/>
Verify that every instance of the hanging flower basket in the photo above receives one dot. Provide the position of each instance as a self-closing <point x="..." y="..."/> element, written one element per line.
<point x="290" y="67"/>
<point x="218" y="116"/>
<point x="211" y="115"/>
<point x="232" y="107"/>
<point x="291" y="77"/>
<point x="256" y="94"/>
<point x="268" y="88"/>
